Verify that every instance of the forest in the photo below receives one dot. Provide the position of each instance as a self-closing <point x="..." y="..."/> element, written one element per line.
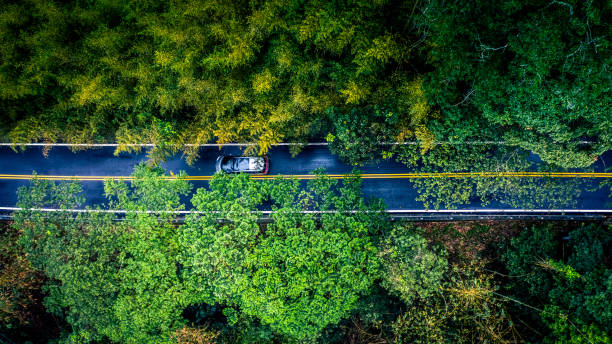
<point x="435" y="85"/>
<point x="532" y="74"/>
<point x="222" y="275"/>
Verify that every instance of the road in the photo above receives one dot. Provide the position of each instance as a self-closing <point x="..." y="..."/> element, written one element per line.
<point x="388" y="180"/>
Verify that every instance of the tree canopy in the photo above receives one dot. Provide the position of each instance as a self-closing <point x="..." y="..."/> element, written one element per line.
<point x="325" y="265"/>
<point x="129" y="281"/>
<point x="299" y="275"/>
<point x="534" y="74"/>
<point x="114" y="280"/>
<point x="436" y="85"/>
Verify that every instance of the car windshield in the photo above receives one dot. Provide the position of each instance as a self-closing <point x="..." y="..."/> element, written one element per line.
<point x="237" y="164"/>
<point x="241" y="164"/>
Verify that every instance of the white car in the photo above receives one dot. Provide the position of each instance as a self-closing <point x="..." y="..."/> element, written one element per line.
<point x="245" y="164"/>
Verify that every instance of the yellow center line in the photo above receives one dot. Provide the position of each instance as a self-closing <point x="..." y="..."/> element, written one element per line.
<point x="339" y="176"/>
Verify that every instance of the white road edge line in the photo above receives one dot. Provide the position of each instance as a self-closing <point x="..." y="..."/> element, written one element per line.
<point x="392" y="211"/>
<point x="5" y="144"/>
<point x="221" y="145"/>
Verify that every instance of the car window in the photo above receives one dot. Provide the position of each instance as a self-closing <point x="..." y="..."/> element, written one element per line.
<point x="227" y="163"/>
<point x="255" y="164"/>
<point x="243" y="164"/>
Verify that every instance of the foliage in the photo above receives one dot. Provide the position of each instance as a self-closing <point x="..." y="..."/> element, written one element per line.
<point x="531" y="245"/>
<point x="537" y="70"/>
<point x="355" y="135"/>
<point x="512" y="191"/>
<point x="19" y="282"/>
<point x="458" y="302"/>
<point x="180" y="72"/>
<point x="148" y="304"/>
<point x="172" y="73"/>
<point x="299" y="275"/>
<point x="572" y="291"/>
<point x="114" y="280"/>
<point x="469" y="312"/>
<point x="58" y="245"/>
<point x="326" y="266"/>
<point x="129" y="281"/>
<point x="411" y="270"/>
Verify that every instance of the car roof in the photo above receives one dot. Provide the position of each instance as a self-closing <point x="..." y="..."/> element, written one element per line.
<point x="244" y="163"/>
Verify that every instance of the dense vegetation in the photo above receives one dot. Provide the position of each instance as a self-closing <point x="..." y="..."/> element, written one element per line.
<point x="462" y="86"/>
<point x="222" y="276"/>
<point x="535" y="74"/>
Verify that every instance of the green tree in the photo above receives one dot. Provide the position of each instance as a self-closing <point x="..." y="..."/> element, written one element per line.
<point x="150" y="299"/>
<point x="571" y="293"/>
<point x="448" y="297"/>
<point x="466" y="309"/>
<point x="411" y="269"/>
<point x="535" y="71"/>
<point x="356" y="135"/>
<point x="80" y="264"/>
<point x="181" y="72"/>
<point x="532" y="244"/>
<point x="110" y="280"/>
<point x="299" y="275"/>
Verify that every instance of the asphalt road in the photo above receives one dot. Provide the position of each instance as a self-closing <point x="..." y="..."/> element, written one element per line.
<point x="387" y="180"/>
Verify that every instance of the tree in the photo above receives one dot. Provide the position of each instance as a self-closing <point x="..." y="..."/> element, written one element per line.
<point x="513" y="191"/>
<point x="185" y="72"/>
<point x="110" y="280"/>
<point x="79" y="263"/>
<point x="468" y="310"/>
<point x="151" y="297"/>
<point x="411" y="269"/>
<point x="570" y="293"/>
<point x="447" y="298"/>
<point x="20" y="283"/>
<point x="533" y="74"/>
<point x="536" y="70"/>
<point x="531" y="243"/>
<point x="356" y="135"/>
<point x="300" y="274"/>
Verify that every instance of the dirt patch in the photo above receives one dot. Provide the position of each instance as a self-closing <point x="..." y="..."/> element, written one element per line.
<point x="469" y="240"/>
